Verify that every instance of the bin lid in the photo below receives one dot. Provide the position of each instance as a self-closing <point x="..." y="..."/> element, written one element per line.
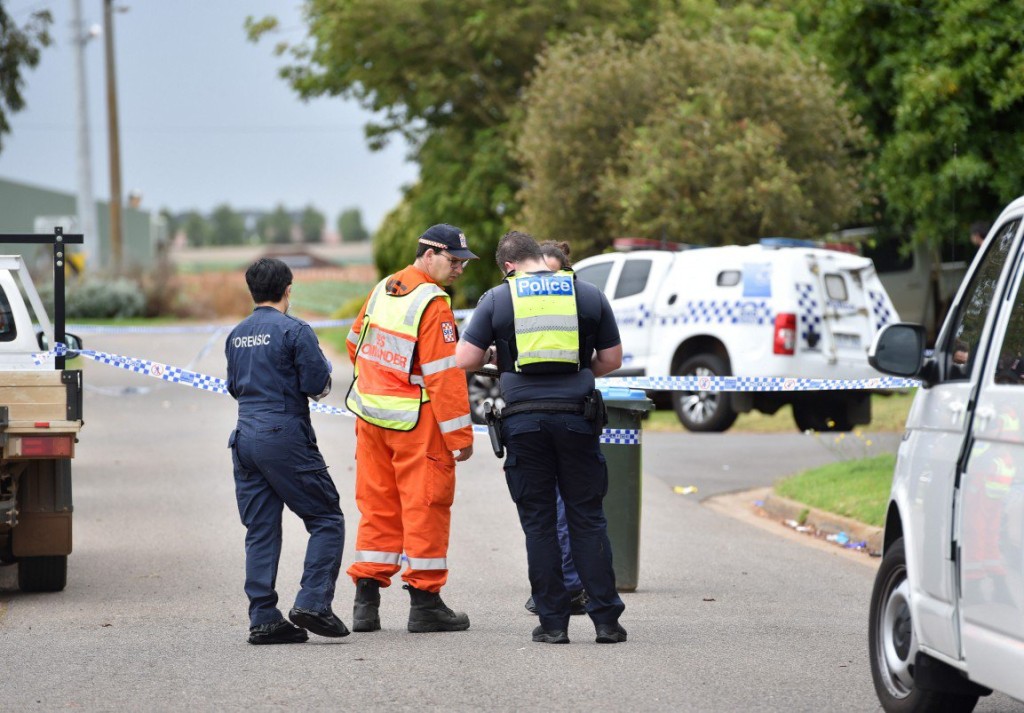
<point x="625" y="397"/>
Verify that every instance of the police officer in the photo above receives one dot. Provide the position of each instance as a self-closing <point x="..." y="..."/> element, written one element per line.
<point x="552" y="336"/>
<point x="274" y="365"/>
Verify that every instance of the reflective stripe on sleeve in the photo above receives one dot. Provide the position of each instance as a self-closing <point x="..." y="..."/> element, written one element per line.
<point x="394" y="558"/>
<point x="432" y="367"/>
<point x="416" y="380"/>
<point x="353" y="337"/>
<point x="454" y="424"/>
<point x="428" y="563"/>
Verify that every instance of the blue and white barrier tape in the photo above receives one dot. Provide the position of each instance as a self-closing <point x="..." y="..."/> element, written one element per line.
<point x="205" y="382"/>
<point x="205" y="328"/>
<point x="754" y="383"/>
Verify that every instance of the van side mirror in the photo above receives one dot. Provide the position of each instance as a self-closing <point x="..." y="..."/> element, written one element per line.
<point x="72" y="341"/>
<point x="898" y="350"/>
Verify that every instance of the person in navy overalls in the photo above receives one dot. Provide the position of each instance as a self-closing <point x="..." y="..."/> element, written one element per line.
<point x="274" y="366"/>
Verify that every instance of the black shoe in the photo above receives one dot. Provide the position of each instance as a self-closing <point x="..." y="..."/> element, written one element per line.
<point x="278" y="632"/>
<point x="531" y="606"/>
<point x="324" y="623"/>
<point x="610" y="633"/>
<point x="578" y="602"/>
<point x="543" y="636"/>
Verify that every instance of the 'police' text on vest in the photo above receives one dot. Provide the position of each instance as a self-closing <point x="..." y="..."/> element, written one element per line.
<point x="543" y="285"/>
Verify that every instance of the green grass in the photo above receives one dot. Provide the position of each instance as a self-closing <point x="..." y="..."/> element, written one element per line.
<point x="326" y="296"/>
<point x="853" y="488"/>
<point x="888" y="413"/>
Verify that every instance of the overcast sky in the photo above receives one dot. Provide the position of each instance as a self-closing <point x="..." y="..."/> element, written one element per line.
<point x="204" y="117"/>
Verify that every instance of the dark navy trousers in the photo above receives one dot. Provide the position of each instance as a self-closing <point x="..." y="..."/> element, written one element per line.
<point x="277" y="463"/>
<point x="548" y="452"/>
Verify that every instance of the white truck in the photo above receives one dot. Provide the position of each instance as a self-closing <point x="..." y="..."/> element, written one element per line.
<point x="40" y="417"/>
<point x="947" y="609"/>
<point x="780" y="308"/>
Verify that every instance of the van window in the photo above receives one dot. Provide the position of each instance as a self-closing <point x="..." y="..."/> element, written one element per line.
<point x="633" y="279"/>
<point x="8" y="332"/>
<point x="1010" y="366"/>
<point x="835" y="288"/>
<point x="962" y="341"/>
<point x="728" y="278"/>
<point x="596" y="275"/>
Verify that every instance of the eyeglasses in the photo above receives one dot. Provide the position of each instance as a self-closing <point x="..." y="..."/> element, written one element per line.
<point x="454" y="262"/>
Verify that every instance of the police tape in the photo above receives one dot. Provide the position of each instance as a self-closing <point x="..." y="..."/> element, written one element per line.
<point x="755" y="383"/>
<point x="214" y="384"/>
<point x="206" y="328"/>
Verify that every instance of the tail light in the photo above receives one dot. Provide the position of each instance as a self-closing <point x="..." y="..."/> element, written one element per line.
<point x="785" y="333"/>
<point x="19" y="446"/>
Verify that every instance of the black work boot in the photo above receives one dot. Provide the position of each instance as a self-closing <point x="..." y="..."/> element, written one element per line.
<point x="429" y="613"/>
<point x="366" y="612"/>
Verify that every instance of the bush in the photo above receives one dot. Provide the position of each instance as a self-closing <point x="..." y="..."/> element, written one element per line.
<point x="104" y="299"/>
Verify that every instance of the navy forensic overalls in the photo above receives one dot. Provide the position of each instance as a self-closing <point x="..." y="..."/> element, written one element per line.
<point x="274" y="365"/>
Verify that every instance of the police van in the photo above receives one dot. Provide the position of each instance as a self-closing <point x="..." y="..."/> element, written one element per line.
<point x="780" y="308"/>
<point x="947" y="609"/>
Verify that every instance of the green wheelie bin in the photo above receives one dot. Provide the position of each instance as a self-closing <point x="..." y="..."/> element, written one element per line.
<point x="620" y="444"/>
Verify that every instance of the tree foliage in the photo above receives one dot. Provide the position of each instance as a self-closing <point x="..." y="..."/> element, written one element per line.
<point x="941" y="87"/>
<point x="227" y="227"/>
<point x="276" y="227"/>
<point x="350" y="226"/>
<point x="447" y="75"/>
<point x="19" y="48"/>
<point x="311" y="224"/>
<point x="710" y="134"/>
<point x="197" y="229"/>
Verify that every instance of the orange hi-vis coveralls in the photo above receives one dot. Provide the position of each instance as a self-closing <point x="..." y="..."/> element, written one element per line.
<point x="413" y="408"/>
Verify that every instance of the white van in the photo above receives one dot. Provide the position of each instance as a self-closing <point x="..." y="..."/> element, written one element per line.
<point x="947" y="611"/>
<point x="781" y="308"/>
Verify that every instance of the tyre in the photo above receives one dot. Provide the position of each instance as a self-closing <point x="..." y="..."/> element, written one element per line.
<point x="42" y="574"/>
<point x="822" y="416"/>
<point x="893" y="645"/>
<point x="703" y="411"/>
<point x="482" y="390"/>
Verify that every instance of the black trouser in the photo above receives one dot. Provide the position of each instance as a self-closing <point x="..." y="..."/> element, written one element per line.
<point x="545" y="450"/>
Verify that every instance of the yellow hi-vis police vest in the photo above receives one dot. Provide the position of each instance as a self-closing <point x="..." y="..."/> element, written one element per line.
<point x="546" y="322"/>
<point x="384" y="392"/>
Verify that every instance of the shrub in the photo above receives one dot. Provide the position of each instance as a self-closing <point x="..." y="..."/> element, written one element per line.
<point x="99" y="298"/>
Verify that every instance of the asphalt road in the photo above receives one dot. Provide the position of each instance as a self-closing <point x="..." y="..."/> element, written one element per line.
<point x="727" y="616"/>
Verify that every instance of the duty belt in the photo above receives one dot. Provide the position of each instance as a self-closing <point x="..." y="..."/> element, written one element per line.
<point x="542" y="407"/>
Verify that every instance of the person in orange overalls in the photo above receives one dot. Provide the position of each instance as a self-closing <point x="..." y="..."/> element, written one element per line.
<point x="413" y="425"/>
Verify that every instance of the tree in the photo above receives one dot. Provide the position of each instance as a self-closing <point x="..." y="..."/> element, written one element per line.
<point x="19" y="48"/>
<point x="711" y="137"/>
<point x="275" y="227"/>
<point x="448" y="76"/>
<point x="312" y="225"/>
<point x="226" y="226"/>
<point x="940" y="88"/>
<point x="350" y="226"/>
<point x="197" y="229"/>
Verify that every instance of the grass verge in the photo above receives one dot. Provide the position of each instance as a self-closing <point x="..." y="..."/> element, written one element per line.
<point x="854" y="488"/>
<point x="888" y="413"/>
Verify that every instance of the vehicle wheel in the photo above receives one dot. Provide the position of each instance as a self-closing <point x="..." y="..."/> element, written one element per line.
<point x="818" y="416"/>
<point x="893" y="644"/>
<point x="42" y="574"/>
<point x="707" y="411"/>
<point x="482" y="390"/>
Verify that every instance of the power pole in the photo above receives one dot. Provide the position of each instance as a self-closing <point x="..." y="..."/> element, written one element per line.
<point x="86" y="203"/>
<point x="116" y="231"/>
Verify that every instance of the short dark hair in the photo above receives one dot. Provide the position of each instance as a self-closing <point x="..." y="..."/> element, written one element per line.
<point x="981" y="228"/>
<point x="558" y="250"/>
<point x="267" y="279"/>
<point x="516" y="247"/>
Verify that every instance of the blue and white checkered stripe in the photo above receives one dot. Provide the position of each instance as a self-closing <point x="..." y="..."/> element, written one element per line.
<point x="717" y="312"/>
<point x="880" y="309"/>
<point x="754" y="383"/>
<point x="808" y="314"/>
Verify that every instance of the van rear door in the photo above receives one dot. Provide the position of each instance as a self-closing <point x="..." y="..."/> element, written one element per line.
<point x="856" y="306"/>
